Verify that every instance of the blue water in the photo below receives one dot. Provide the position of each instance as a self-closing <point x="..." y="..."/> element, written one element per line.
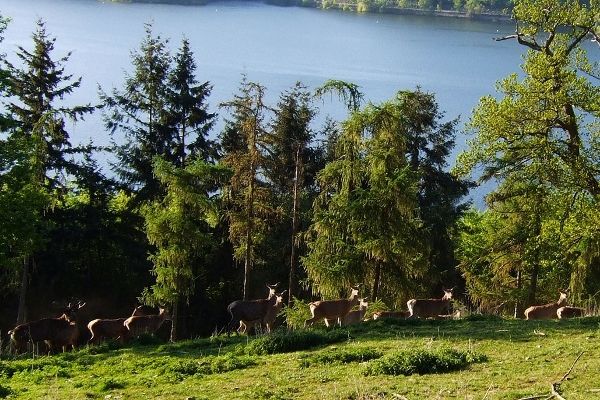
<point x="276" y="46"/>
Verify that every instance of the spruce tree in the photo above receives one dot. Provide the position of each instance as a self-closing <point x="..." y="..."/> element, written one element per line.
<point x="38" y="138"/>
<point x="188" y="112"/>
<point x="247" y="195"/>
<point x="139" y="112"/>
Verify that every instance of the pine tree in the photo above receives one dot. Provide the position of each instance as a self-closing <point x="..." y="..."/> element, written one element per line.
<point x="188" y="115"/>
<point x="247" y="196"/>
<point x="37" y="135"/>
<point x="291" y="165"/>
<point x="139" y="112"/>
<point x="38" y="86"/>
<point x="178" y="226"/>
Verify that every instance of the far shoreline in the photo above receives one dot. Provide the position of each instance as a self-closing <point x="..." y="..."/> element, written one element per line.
<point x="358" y="8"/>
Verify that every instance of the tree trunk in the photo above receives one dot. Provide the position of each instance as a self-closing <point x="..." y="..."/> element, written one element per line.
<point x="250" y="214"/>
<point x="22" y="310"/>
<point x="174" y="320"/>
<point x="377" y="281"/>
<point x="295" y="207"/>
<point x="518" y="303"/>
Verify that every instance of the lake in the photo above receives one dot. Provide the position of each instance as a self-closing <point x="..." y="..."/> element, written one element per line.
<point x="276" y="46"/>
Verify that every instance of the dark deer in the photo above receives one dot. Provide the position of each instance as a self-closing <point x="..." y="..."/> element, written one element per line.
<point x="332" y="310"/>
<point x="424" y="308"/>
<point x="570" y="312"/>
<point x="250" y="310"/>
<point x="268" y="320"/>
<point x="55" y="332"/>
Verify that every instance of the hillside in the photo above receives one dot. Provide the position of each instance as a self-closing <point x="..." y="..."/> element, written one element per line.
<point x="511" y="359"/>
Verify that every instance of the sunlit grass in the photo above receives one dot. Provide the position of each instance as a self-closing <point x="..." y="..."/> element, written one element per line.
<point x="519" y="358"/>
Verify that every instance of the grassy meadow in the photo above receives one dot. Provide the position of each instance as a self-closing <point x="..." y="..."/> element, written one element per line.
<point x="485" y="358"/>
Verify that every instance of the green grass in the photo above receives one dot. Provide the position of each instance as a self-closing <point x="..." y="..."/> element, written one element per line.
<point x="515" y="359"/>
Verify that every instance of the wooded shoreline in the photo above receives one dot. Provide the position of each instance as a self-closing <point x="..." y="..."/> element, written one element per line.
<point x="346" y="6"/>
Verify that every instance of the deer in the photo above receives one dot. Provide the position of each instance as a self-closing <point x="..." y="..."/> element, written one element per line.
<point x="570" y="312"/>
<point x="424" y="308"/>
<point x="275" y="305"/>
<point x="137" y="325"/>
<point x="112" y="328"/>
<point x="250" y="310"/>
<point x="391" y="314"/>
<point x="356" y="316"/>
<point x="332" y="309"/>
<point x="62" y="331"/>
<point x="547" y="311"/>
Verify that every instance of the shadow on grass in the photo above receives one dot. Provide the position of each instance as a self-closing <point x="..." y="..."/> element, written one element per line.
<point x="474" y="327"/>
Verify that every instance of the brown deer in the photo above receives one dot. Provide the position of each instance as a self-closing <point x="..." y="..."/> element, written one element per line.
<point x="332" y="310"/>
<point x="276" y="304"/>
<point x="112" y="328"/>
<point x="250" y="310"/>
<point x="546" y="311"/>
<point x="391" y="314"/>
<point x="54" y="332"/>
<point x="570" y="312"/>
<point x="140" y="324"/>
<point x="424" y="308"/>
<point x="356" y="316"/>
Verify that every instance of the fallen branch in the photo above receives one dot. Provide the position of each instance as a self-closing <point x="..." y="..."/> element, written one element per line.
<point x="555" y="387"/>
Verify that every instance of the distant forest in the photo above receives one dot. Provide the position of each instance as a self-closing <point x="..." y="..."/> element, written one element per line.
<point x="192" y="219"/>
<point x="467" y="8"/>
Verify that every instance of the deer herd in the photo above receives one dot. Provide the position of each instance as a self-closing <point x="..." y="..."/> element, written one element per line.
<point x="62" y="333"/>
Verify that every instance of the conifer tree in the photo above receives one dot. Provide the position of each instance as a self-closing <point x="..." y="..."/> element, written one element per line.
<point x="139" y="112"/>
<point x="291" y="163"/>
<point x="188" y="112"/>
<point x="38" y="137"/>
<point x="248" y="197"/>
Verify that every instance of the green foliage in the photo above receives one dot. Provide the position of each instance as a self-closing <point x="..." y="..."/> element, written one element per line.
<point x="248" y="205"/>
<point x="5" y="391"/>
<point x="296" y="314"/>
<point x="375" y="306"/>
<point x="108" y="384"/>
<point x="341" y="356"/>
<point x="178" y="225"/>
<point x="365" y="225"/>
<point x="423" y="362"/>
<point x="139" y="111"/>
<point x="538" y="142"/>
<point x="285" y="342"/>
<point x="209" y="365"/>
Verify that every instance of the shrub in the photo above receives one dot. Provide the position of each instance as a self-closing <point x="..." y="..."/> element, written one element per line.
<point x="5" y="391"/>
<point x="110" y="384"/>
<point x="340" y="357"/>
<point x="296" y="314"/>
<point x="423" y="362"/>
<point x="374" y="307"/>
<point x="209" y="365"/>
<point x="283" y="342"/>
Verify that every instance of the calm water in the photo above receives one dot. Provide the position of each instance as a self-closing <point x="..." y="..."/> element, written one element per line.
<point x="457" y="59"/>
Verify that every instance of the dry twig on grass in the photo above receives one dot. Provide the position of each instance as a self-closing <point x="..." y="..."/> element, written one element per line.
<point x="555" y="386"/>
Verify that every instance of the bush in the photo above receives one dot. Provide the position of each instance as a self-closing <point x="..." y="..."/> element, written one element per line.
<point x="110" y="384"/>
<point x="296" y="314"/>
<point x="284" y="342"/>
<point x="5" y="391"/>
<point x="209" y="365"/>
<point x="340" y="357"/>
<point x="423" y="362"/>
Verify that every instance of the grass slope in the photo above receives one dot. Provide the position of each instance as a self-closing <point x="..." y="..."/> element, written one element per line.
<point x="516" y="359"/>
